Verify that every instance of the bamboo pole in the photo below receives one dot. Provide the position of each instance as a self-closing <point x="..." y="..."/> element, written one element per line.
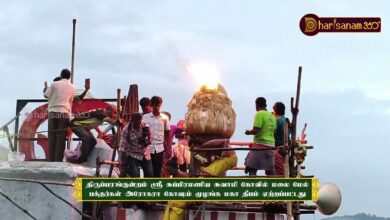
<point x="201" y="149"/>
<point x="133" y="99"/>
<point x="258" y="148"/>
<point x="69" y="138"/>
<point x="286" y="168"/>
<point x="73" y="50"/>
<point x="125" y="108"/>
<point x="129" y="104"/>
<point x="295" y="111"/>
<point x="118" y="134"/>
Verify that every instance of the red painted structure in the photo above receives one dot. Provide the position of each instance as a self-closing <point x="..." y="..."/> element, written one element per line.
<point x="28" y="129"/>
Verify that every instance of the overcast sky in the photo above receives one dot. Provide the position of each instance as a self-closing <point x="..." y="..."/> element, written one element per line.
<point x="257" y="47"/>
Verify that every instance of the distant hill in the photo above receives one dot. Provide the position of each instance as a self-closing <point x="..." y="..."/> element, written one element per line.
<point x="360" y="216"/>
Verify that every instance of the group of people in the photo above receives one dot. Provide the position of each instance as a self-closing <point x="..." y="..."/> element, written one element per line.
<point x="61" y="95"/>
<point x="268" y="130"/>
<point x="146" y="140"/>
<point x="148" y="137"/>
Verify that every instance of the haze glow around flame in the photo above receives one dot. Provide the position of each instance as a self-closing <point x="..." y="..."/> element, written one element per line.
<point x="205" y="74"/>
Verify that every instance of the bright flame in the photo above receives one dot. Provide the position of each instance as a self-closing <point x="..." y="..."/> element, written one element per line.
<point x="205" y="74"/>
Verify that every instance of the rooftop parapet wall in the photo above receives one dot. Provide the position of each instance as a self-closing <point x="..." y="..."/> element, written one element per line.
<point x="33" y="197"/>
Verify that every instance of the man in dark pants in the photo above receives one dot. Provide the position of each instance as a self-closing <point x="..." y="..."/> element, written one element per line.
<point x="60" y="95"/>
<point x="133" y="148"/>
<point x="279" y="111"/>
<point x="82" y="124"/>
<point x="58" y="102"/>
<point x="264" y="126"/>
<point x="159" y="128"/>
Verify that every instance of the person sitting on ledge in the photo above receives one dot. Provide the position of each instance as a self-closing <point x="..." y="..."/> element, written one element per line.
<point x="82" y="124"/>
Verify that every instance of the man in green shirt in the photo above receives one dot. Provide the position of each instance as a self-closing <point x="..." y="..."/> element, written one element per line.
<point x="263" y="130"/>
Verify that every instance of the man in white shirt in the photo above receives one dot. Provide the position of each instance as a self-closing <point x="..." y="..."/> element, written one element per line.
<point x="159" y="127"/>
<point x="60" y="95"/>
